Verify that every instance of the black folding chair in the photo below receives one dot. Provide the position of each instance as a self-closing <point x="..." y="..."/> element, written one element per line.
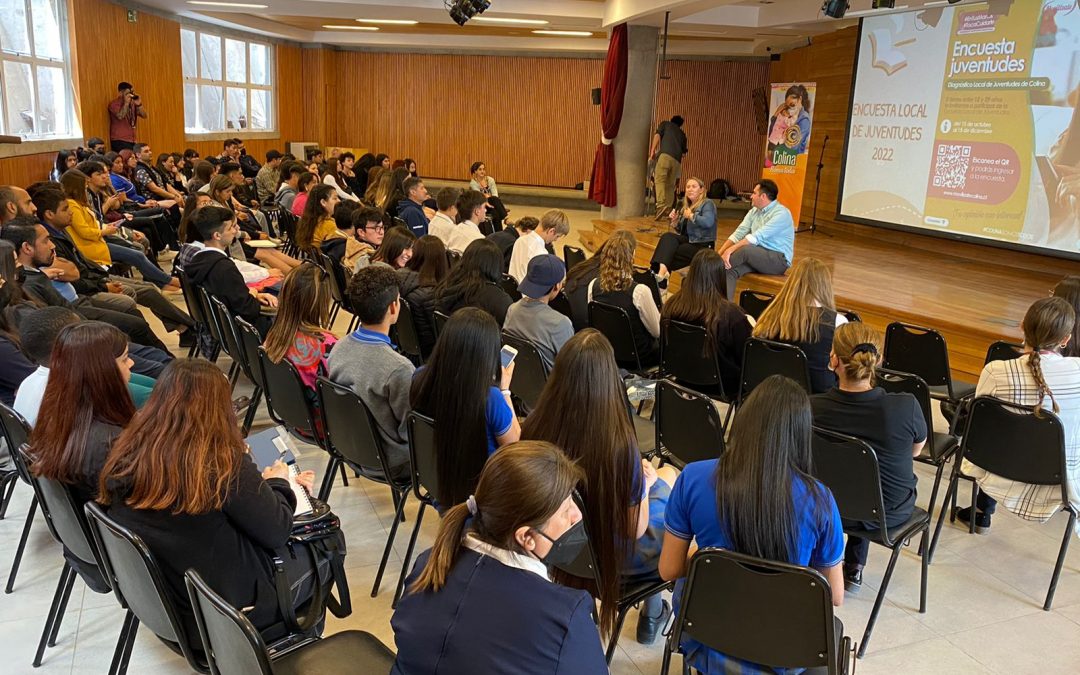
<point x="440" y="321"/>
<point x="923" y="352"/>
<point x="250" y="341"/>
<point x="585" y="567"/>
<point x="194" y="310"/>
<point x="1003" y="351"/>
<point x="572" y="255"/>
<point x="939" y="446"/>
<point x="408" y="340"/>
<point x="755" y="302"/>
<point x="615" y="325"/>
<point x="685" y="358"/>
<point x="15" y="431"/>
<point x="352" y="438"/>
<point x="530" y="372"/>
<point x="764" y="358"/>
<point x="848" y="466"/>
<point x="688" y="427"/>
<point x="510" y="285"/>
<point x="644" y="276"/>
<point x="140" y="586"/>
<point x="849" y="315"/>
<point x="771" y="613"/>
<point x="230" y="341"/>
<point x="452" y="257"/>
<point x="202" y="296"/>
<point x="993" y="438"/>
<point x="424" y="463"/>
<point x="561" y="304"/>
<point x="68" y="526"/>
<point x="233" y="645"/>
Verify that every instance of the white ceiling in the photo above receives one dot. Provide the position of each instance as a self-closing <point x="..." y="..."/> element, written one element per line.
<point x="706" y="27"/>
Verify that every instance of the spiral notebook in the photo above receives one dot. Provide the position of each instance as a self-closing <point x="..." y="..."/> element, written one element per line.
<point x="271" y="445"/>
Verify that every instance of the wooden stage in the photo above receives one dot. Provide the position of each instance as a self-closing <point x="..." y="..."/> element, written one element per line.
<point x="971" y="301"/>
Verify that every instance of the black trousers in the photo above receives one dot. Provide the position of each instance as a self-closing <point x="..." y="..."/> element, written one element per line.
<point x="675" y="251"/>
<point x="497" y="213"/>
<point x="117" y="146"/>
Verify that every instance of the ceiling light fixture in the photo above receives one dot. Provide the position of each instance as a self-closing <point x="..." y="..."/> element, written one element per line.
<point x="564" y="33"/>
<point x="339" y="27"/>
<point x="463" y="10"/>
<point x="500" y="19"/>
<point x="242" y="5"/>
<point x="390" y="22"/>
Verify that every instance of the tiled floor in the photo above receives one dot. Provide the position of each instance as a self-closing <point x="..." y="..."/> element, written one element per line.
<point x="984" y="608"/>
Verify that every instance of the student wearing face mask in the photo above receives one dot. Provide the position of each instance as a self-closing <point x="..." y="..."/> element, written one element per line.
<point x="481" y="600"/>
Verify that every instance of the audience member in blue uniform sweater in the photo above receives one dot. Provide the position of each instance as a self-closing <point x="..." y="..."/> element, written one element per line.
<point x="481" y="601"/>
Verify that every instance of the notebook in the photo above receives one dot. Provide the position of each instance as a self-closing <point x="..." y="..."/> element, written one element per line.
<point x="271" y="445"/>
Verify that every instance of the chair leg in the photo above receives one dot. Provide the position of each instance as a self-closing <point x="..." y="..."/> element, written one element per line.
<point x="53" y="611"/>
<point x="665" y="663"/>
<point x="974" y="497"/>
<point x="253" y="407"/>
<point x="880" y="598"/>
<point x="408" y="556"/>
<point x="950" y="493"/>
<point x="399" y="511"/>
<point x="614" y="641"/>
<point x="1060" y="561"/>
<point x="234" y="375"/>
<point x="344" y="477"/>
<point x="930" y="506"/>
<point x="924" y="559"/>
<point x="124" y="645"/>
<point x="5" y="501"/>
<point x="63" y="609"/>
<point x="328" y="478"/>
<point x="22" y="545"/>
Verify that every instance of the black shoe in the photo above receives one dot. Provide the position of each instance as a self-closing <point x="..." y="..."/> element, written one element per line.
<point x="982" y="520"/>
<point x="648" y="626"/>
<point x="661" y="282"/>
<point x="853" y="579"/>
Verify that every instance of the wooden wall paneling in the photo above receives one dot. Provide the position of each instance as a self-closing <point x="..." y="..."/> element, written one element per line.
<point x="715" y="98"/>
<point x="531" y="120"/>
<point x="26" y="169"/>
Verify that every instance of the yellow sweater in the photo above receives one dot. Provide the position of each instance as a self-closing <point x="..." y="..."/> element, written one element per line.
<point x="323" y="230"/>
<point x="85" y="231"/>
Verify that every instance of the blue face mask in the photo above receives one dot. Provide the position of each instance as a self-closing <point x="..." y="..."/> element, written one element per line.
<point x="566" y="549"/>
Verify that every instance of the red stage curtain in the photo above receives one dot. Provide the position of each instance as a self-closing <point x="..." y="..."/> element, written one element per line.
<point x="613" y="93"/>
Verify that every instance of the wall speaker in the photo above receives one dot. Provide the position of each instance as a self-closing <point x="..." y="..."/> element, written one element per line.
<point x="596" y="96"/>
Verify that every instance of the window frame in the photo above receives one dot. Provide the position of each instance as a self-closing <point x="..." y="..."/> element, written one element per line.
<point x="42" y="142"/>
<point x="224" y="84"/>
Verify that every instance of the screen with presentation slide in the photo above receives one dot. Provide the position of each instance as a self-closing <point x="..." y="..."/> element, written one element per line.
<point x="965" y="123"/>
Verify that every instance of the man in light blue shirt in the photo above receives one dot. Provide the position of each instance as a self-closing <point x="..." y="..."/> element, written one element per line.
<point x="765" y="240"/>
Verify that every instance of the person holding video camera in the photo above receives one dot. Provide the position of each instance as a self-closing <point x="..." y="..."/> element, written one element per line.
<point x="124" y="113"/>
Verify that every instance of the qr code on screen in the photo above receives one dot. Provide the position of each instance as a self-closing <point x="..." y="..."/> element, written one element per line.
<point x="951" y="166"/>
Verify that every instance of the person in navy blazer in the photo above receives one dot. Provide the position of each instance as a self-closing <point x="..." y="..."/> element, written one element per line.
<point x="480" y="600"/>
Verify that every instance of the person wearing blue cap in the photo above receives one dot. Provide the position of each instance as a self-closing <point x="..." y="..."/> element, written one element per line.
<point x="531" y="318"/>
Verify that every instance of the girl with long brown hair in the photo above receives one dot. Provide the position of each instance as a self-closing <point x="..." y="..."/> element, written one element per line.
<point x="397" y="247"/>
<point x="181" y="478"/>
<point x="701" y="301"/>
<point x="624" y="495"/>
<point x="298" y="334"/>
<point x="425" y="270"/>
<point x="616" y="286"/>
<point x="1044" y="380"/>
<point x="318" y="222"/>
<point x="488" y="569"/>
<point x="804" y="314"/>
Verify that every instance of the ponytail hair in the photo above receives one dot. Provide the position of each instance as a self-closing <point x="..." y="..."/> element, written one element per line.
<point x="858" y="347"/>
<point x="522" y="485"/>
<point x="1048" y="323"/>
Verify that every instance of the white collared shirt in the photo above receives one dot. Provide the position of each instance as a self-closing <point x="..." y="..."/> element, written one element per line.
<point x="441" y="226"/>
<point x="462" y="235"/>
<point x="527" y="247"/>
<point x="508" y="558"/>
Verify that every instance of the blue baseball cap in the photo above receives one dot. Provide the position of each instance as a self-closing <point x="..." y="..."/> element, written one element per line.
<point x="544" y="272"/>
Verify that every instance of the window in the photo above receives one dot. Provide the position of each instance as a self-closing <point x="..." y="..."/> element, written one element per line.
<point x="227" y="83"/>
<point x="37" y="101"/>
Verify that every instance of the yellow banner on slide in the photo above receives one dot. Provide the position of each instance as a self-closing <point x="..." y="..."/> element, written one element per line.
<point x="788" y="141"/>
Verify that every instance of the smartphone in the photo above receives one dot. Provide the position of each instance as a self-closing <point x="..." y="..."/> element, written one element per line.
<point x="508" y="354"/>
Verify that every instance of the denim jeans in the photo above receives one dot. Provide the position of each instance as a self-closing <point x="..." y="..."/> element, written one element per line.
<point x="136" y="259"/>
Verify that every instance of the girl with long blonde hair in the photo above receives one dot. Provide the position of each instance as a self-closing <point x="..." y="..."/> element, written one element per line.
<point x="694" y="228"/>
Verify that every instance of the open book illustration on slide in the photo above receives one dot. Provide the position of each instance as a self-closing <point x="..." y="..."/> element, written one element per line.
<point x="886" y="55"/>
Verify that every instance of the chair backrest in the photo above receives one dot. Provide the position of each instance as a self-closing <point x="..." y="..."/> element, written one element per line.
<point x="250" y="341"/>
<point x="351" y="431"/>
<point x="227" y="325"/>
<point x="688" y="426"/>
<point x="510" y="285"/>
<point x="683" y="355"/>
<point x="849" y="315"/>
<point x="68" y="522"/>
<point x="530" y="373"/>
<point x="920" y="351"/>
<point x="615" y="324"/>
<point x="232" y="644"/>
<point x="561" y="304"/>
<point x="572" y="255"/>
<point x="644" y="276"/>
<point x="423" y="457"/>
<point x="1008" y="440"/>
<point x="138" y="581"/>
<point x="440" y="321"/>
<point x="285" y="392"/>
<point x="15" y="430"/>
<point x="765" y="612"/>
<point x="1003" y="351"/>
<point x="335" y="277"/>
<point x="452" y="257"/>
<point x="755" y="302"/>
<point x="202" y="296"/>
<point x="194" y="308"/>
<point x="763" y="358"/>
<point x="848" y="466"/>
<point x="896" y="382"/>
<point x="398" y="222"/>
<point x="408" y="340"/>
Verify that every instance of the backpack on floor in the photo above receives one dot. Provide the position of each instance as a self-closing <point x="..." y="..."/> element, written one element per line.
<point x="720" y="189"/>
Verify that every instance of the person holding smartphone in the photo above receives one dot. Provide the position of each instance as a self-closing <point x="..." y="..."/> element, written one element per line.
<point x="124" y="113"/>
